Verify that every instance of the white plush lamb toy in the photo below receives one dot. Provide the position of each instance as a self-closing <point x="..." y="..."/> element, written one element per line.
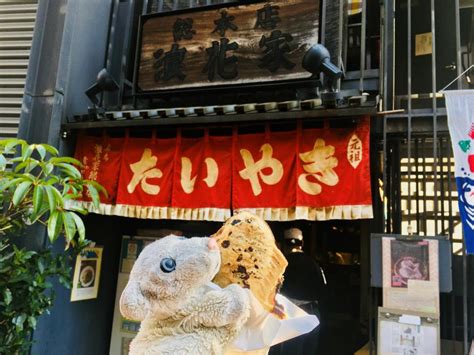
<point x="167" y="292"/>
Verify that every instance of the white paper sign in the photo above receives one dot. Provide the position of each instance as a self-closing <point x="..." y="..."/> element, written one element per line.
<point x="409" y="319"/>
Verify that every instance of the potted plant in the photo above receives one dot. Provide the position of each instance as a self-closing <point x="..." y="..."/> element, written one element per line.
<point x="36" y="187"/>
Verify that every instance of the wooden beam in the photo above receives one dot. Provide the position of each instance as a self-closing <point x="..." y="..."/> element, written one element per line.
<point x="224" y="119"/>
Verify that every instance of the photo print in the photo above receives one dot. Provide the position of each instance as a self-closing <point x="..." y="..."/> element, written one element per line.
<point x="409" y="261"/>
<point x="87" y="274"/>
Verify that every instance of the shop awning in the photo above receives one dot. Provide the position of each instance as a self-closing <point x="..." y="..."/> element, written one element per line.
<point x="227" y="114"/>
<point x="307" y="173"/>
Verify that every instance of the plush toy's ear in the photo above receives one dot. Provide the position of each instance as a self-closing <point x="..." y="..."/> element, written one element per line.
<point x="133" y="305"/>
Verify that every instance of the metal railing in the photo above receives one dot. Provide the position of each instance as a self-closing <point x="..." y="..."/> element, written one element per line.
<point x="418" y="182"/>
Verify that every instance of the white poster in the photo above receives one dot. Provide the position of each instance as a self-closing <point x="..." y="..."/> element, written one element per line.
<point x="407" y="334"/>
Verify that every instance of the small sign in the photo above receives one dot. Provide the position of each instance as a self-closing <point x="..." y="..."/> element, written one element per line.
<point x="409" y="319"/>
<point x="226" y="45"/>
<point x="87" y="274"/>
<point x="401" y="333"/>
<point x="423" y="44"/>
<point x="411" y="274"/>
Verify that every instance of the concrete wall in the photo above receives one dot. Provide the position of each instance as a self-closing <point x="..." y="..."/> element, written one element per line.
<point x="68" y="50"/>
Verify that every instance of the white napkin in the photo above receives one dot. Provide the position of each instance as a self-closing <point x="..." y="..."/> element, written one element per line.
<point x="264" y="329"/>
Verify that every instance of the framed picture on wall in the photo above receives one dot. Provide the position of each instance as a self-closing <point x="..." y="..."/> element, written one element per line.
<point x="87" y="274"/>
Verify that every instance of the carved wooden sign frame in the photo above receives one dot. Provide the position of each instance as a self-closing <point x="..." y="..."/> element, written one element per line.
<point x="225" y="45"/>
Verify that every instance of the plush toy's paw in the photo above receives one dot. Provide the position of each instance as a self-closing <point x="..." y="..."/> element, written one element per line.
<point x="237" y="290"/>
<point x="239" y="309"/>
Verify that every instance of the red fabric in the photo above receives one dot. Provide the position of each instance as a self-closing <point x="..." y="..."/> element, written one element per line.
<point x="277" y="191"/>
<point x="101" y="158"/>
<point x="202" y="186"/>
<point x="340" y="183"/>
<point x="306" y="167"/>
<point x="152" y="182"/>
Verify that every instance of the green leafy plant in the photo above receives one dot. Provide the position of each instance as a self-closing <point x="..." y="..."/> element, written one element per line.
<point x="37" y="186"/>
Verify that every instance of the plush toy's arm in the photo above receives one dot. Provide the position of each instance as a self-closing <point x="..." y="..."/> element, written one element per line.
<point x="230" y="305"/>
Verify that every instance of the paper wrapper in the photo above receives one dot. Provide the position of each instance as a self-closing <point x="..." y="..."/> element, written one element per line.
<point x="264" y="329"/>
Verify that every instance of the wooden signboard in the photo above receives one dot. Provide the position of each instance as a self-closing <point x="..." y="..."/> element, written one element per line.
<point x="226" y="45"/>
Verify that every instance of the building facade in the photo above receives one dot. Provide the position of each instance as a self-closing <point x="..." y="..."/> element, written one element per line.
<point x="396" y="56"/>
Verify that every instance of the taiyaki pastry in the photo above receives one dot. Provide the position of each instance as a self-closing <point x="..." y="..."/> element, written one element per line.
<point x="250" y="258"/>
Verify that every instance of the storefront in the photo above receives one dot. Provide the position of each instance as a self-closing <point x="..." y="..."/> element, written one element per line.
<point x="187" y="138"/>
